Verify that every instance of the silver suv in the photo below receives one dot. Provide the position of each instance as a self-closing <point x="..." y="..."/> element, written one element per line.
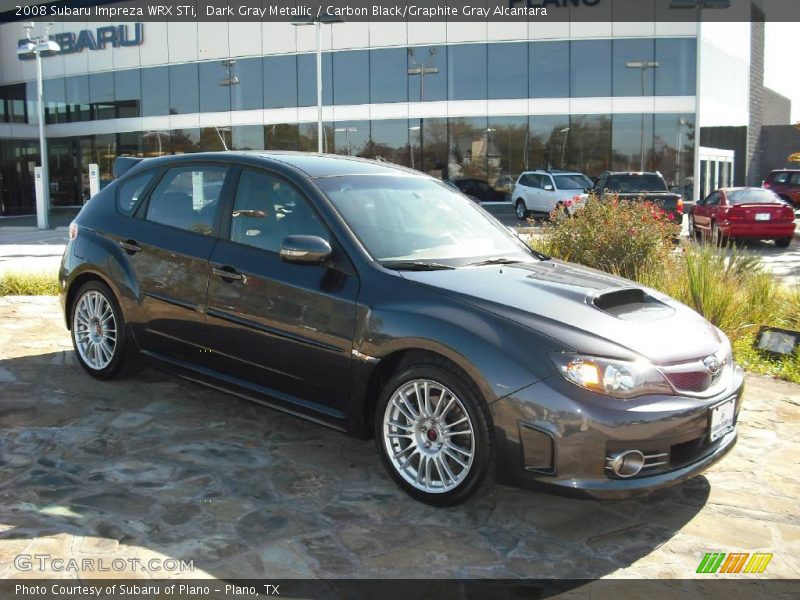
<point x="545" y="191"/>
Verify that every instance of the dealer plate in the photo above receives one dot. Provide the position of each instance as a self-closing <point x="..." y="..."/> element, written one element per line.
<point x="722" y="419"/>
<point x="762" y="216"/>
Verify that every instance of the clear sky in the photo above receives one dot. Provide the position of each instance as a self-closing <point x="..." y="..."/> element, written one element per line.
<point x="782" y="62"/>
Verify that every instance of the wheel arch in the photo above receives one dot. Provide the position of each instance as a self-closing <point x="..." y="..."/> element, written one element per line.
<point x="76" y="284"/>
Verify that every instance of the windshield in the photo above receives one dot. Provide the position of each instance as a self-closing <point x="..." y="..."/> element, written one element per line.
<point x="754" y="196"/>
<point x="418" y="219"/>
<point x="630" y="184"/>
<point x="572" y="182"/>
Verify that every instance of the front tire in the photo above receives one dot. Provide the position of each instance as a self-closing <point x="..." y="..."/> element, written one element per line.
<point x="692" y="230"/>
<point x="432" y="432"/>
<point x="521" y="210"/>
<point x="98" y="333"/>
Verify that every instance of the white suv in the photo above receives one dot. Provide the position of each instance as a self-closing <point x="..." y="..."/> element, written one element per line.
<point x="544" y="191"/>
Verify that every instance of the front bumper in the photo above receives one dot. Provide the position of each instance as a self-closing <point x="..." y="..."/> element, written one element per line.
<point x="557" y="436"/>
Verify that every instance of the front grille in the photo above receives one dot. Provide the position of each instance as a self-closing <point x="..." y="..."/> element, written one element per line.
<point x="694" y="381"/>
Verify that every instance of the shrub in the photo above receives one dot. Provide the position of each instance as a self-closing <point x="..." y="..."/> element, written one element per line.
<point x="28" y="284"/>
<point x="618" y="236"/>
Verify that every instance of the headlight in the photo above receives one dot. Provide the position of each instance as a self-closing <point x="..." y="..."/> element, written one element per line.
<point x="618" y="378"/>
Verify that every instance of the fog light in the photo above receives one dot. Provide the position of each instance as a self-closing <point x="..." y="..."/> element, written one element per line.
<point x="628" y="463"/>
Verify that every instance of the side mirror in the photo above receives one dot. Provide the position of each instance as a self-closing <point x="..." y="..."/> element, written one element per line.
<point x="548" y="187"/>
<point x="305" y="249"/>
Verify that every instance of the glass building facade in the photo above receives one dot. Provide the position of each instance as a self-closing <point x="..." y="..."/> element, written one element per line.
<point x="509" y="106"/>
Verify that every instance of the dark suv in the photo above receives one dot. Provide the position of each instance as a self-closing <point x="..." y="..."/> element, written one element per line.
<point x="785" y="183"/>
<point x="641" y="186"/>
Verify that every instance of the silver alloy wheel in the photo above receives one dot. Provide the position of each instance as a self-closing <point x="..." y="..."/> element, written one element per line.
<point x="692" y="232"/>
<point x="95" y="330"/>
<point x="520" y="209"/>
<point x="428" y="436"/>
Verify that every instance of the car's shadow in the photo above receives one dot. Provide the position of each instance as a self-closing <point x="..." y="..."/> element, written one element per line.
<point x="157" y="466"/>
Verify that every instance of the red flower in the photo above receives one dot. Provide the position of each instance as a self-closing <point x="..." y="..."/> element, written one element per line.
<point x="670" y="216"/>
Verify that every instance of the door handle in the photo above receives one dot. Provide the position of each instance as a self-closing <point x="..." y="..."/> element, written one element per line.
<point x="226" y="273"/>
<point x="130" y="246"/>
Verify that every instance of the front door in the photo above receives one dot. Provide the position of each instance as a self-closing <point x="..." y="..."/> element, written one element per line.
<point x="286" y="328"/>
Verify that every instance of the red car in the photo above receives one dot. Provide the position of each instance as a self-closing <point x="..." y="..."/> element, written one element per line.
<point x="785" y="183"/>
<point x="753" y="213"/>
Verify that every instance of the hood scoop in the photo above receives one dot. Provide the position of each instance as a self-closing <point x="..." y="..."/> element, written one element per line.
<point x="632" y="304"/>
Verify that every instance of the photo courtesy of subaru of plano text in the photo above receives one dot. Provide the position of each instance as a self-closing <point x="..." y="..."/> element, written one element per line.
<point x="380" y="301"/>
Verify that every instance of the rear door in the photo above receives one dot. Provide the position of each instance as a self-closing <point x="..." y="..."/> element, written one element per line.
<point x="286" y="328"/>
<point x="169" y="249"/>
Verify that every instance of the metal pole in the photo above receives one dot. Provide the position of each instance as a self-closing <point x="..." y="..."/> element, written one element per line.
<point x="42" y="212"/>
<point x="318" y="25"/>
<point x="641" y="160"/>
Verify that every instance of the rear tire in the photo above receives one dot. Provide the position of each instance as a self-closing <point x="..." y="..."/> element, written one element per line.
<point x="99" y="334"/>
<point x="521" y="210"/>
<point x="783" y="242"/>
<point x="432" y="430"/>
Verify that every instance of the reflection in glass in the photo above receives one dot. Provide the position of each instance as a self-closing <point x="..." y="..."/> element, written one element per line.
<point x="280" y="136"/>
<point x="677" y="71"/>
<point x="350" y="137"/>
<point x="547" y="142"/>
<point x="216" y="81"/>
<point x="673" y="152"/>
<point x="506" y="159"/>
<point x="508" y="70"/>
<point x="247" y="137"/>
<point x="185" y="140"/>
<point x="629" y="143"/>
<point x="589" y="144"/>
<point x="77" y="92"/>
<point x="433" y="155"/>
<point x="471" y="147"/>
<point x="590" y="68"/>
<point x="128" y="93"/>
<point x="466" y="72"/>
<point x="549" y="69"/>
<point x="307" y="79"/>
<point x="155" y="92"/>
<point x="55" y="100"/>
<point x="101" y="95"/>
<point x="350" y="74"/>
<point x="215" y="139"/>
<point x="627" y="81"/>
<point x="280" y="82"/>
<point x="389" y="141"/>
<point x="307" y="137"/>
<point x="387" y="75"/>
<point x="248" y="94"/>
<point x="184" y="90"/>
<point x="427" y="73"/>
<point x="156" y="143"/>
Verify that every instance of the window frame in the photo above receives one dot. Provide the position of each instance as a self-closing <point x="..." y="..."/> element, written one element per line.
<point x="222" y="200"/>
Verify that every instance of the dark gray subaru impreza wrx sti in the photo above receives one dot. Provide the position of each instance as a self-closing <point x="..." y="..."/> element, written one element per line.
<point x="379" y="301"/>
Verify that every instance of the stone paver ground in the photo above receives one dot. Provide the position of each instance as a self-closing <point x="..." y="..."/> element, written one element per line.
<point x="154" y="466"/>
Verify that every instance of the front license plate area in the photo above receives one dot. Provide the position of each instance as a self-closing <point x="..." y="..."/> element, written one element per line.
<point x="762" y="216"/>
<point x="721" y="419"/>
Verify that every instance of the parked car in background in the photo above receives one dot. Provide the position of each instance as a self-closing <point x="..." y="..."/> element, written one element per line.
<point x="785" y="183"/>
<point x="479" y="189"/>
<point x="743" y="213"/>
<point x="544" y="191"/>
<point x="374" y="300"/>
<point x="648" y="186"/>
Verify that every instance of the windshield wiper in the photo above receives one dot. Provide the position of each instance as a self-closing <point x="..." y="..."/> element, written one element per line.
<point x="415" y="265"/>
<point x="494" y="261"/>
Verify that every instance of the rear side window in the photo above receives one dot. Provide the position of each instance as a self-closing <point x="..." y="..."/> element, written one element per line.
<point x="780" y="177"/>
<point x="130" y="191"/>
<point x="795" y="179"/>
<point x="187" y="198"/>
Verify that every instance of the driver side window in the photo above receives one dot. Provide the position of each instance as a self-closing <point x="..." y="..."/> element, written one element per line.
<point x="267" y="209"/>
